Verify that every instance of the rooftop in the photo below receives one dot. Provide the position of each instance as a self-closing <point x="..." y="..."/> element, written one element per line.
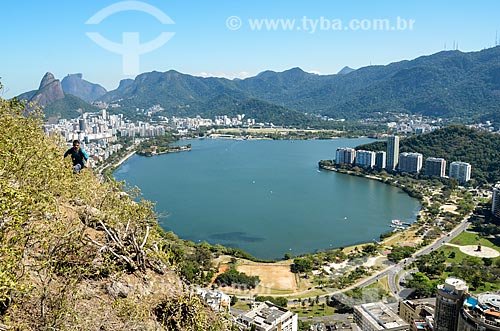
<point x="381" y="316"/>
<point x="265" y="315"/>
<point x="452" y="285"/>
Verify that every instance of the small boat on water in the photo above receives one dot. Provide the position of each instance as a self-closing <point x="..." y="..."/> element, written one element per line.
<point x="397" y="222"/>
<point x="400" y="227"/>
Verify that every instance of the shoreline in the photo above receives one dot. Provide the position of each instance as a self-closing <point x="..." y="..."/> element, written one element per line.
<point x="380" y="180"/>
<point x="117" y="164"/>
<point x="125" y="158"/>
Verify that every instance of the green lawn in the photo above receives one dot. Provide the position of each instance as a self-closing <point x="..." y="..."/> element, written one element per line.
<point x="469" y="238"/>
<point x="242" y="305"/>
<point x="459" y="256"/>
<point x="464" y="239"/>
<point x="315" y="311"/>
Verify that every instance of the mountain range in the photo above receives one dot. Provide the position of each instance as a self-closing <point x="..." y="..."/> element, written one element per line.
<point x="451" y="84"/>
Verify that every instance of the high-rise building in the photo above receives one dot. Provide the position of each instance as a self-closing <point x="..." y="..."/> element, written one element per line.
<point x="481" y="313"/>
<point x="461" y="171"/>
<point x="345" y="155"/>
<point x="392" y="152"/>
<point x="380" y="160"/>
<point x="82" y="125"/>
<point x="495" y="201"/>
<point x="365" y="158"/>
<point x="435" y="166"/>
<point x="410" y="162"/>
<point x="377" y="316"/>
<point x="449" y="299"/>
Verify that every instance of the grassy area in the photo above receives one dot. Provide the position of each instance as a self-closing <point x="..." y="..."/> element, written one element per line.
<point x="470" y="238"/>
<point x="314" y="311"/>
<point x="382" y="283"/>
<point x="459" y="256"/>
<point x="242" y="305"/>
<point x="487" y="287"/>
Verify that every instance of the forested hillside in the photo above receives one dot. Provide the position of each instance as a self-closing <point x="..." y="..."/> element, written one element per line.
<point x="453" y="85"/>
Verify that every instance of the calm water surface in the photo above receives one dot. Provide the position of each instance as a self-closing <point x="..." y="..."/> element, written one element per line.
<point x="266" y="197"/>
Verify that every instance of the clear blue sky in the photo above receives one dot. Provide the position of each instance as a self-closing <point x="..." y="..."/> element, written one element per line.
<point x="40" y="36"/>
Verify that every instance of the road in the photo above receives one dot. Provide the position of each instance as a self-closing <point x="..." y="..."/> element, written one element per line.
<point x="393" y="270"/>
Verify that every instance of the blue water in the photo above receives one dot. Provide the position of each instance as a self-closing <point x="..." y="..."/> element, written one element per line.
<point x="266" y="197"/>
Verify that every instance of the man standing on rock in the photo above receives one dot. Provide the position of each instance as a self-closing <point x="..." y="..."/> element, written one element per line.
<point x="78" y="156"/>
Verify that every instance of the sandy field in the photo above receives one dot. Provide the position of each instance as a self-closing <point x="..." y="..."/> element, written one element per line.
<point x="271" y="276"/>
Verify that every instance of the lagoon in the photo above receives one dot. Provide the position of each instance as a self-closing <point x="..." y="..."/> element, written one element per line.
<point x="266" y="197"/>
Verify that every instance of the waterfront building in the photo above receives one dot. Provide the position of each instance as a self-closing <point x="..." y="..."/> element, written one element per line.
<point x="410" y="162"/>
<point x="266" y="316"/>
<point x="480" y="313"/>
<point x="365" y="158"/>
<point x="345" y="155"/>
<point x="449" y="299"/>
<point x="495" y="201"/>
<point x="392" y="152"/>
<point x="380" y="160"/>
<point x="461" y="171"/>
<point x="377" y="316"/>
<point x="435" y="166"/>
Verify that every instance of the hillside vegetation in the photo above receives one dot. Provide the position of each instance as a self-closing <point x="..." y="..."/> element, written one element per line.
<point x="456" y="143"/>
<point x="453" y="85"/>
<point x="79" y="254"/>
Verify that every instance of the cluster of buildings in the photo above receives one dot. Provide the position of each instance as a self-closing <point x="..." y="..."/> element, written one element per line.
<point x="392" y="160"/>
<point x="458" y="310"/>
<point x="99" y="131"/>
<point x="187" y="123"/>
<point x="453" y="309"/>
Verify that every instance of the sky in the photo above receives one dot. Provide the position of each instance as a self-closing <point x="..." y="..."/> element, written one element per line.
<point x="228" y="38"/>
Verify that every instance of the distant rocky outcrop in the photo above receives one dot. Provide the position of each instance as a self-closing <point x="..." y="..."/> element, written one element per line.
<point x="50" y="90"/>
<point x="56" y="104"/>
<point x="345" y="70"/>
<point x="75" y="84"/>
<point x="124" y="83"/>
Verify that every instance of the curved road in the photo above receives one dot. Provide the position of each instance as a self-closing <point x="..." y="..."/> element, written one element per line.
<point x="392" y="271"/>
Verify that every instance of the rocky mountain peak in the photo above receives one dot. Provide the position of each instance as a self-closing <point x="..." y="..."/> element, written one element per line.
<point x="50" y="90"/>
<point x="75" y="84"/>
<point x="47" y="79"/>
